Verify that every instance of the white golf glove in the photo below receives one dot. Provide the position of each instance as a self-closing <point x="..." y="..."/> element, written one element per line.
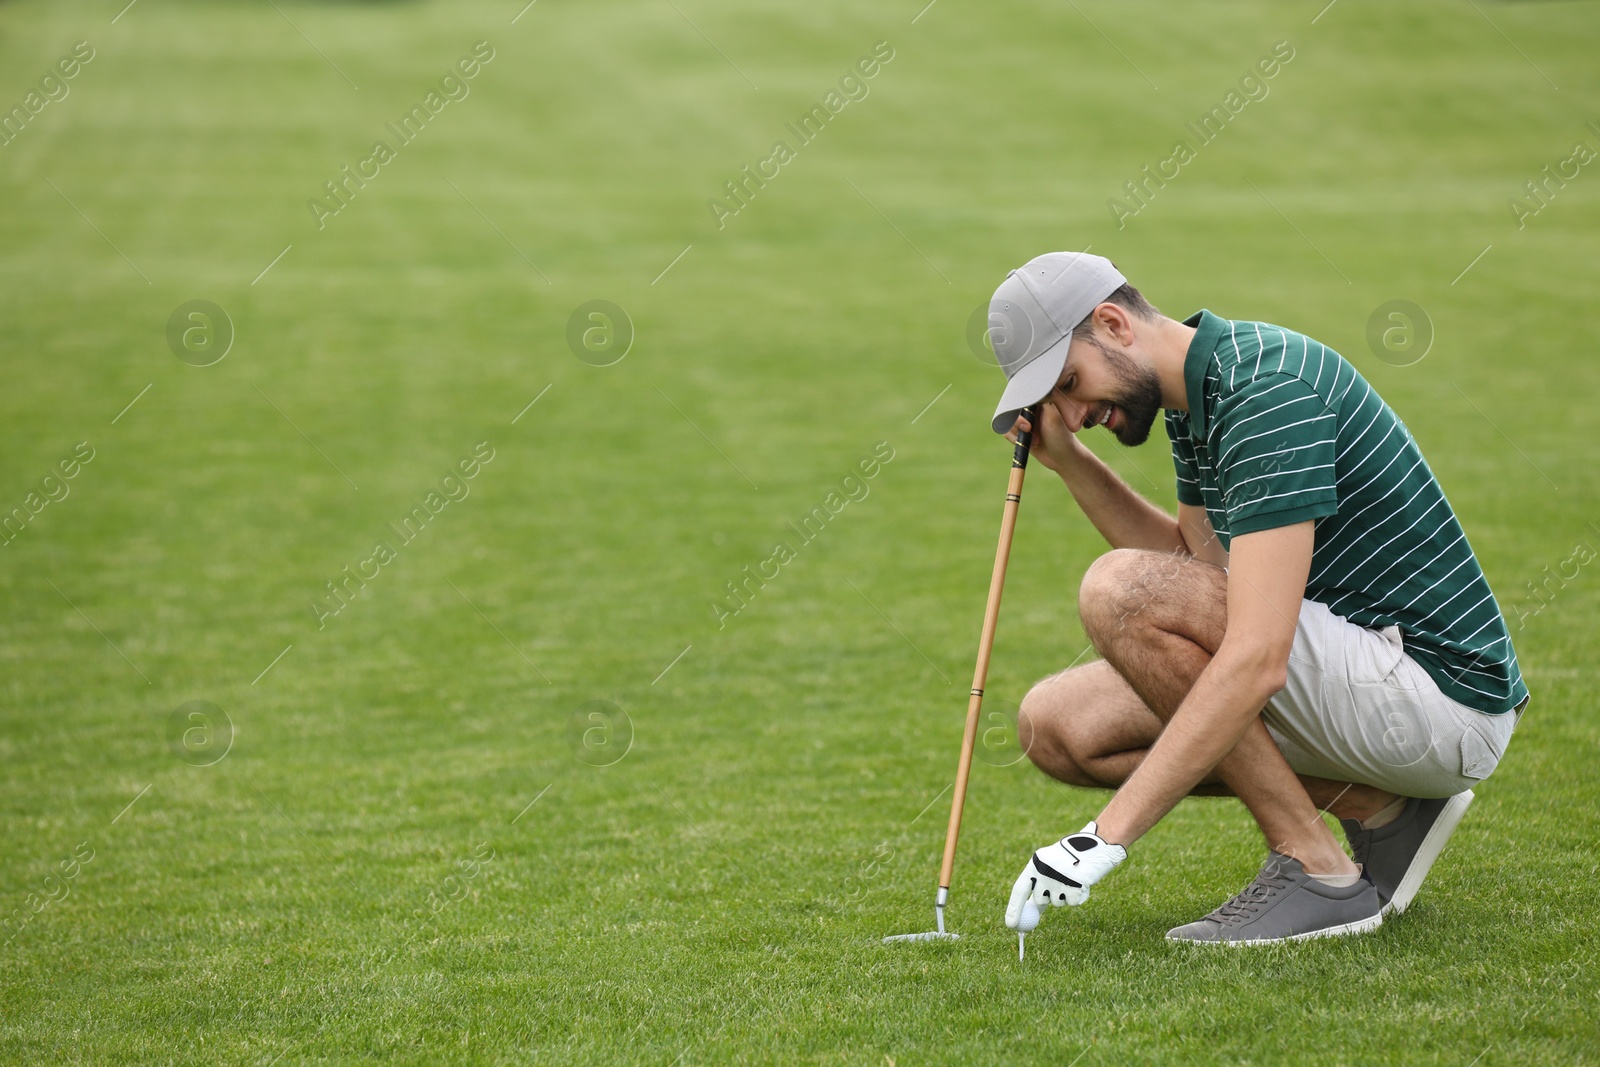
<point x="1063" y="872"/>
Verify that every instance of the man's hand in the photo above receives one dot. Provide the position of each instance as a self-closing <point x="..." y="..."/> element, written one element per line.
<point x="1063" y="872"/>
<point x="1054" y="443"/>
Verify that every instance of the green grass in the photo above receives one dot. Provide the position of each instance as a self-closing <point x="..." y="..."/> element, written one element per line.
<point x="717" y="894"/>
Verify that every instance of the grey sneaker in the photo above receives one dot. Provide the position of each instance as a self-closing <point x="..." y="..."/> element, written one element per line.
<point x="1284" y="903"/>
<point x="1397" y="857"/>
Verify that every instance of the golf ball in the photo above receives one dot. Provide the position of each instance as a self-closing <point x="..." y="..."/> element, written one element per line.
<point x="1030" y="917"/>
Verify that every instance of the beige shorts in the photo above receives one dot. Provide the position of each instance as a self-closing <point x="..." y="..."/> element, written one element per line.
<point x="1356" y="708"/>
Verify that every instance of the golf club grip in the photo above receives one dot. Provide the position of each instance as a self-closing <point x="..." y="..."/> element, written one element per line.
<point x="991" y="617"/>
<point x="1019" y="456"/>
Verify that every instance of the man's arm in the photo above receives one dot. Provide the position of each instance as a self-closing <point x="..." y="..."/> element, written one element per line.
<point x="1266" y="582"/>
<point x="1123" y="517"/>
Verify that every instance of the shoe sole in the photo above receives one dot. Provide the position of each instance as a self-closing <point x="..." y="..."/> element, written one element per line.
<point x="1433" y="844"/>
<point x="1360" y="926"/>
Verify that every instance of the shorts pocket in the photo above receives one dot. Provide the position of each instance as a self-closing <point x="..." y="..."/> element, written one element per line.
<point x="1375" y="657"/>
<point x="1478" y="758"/>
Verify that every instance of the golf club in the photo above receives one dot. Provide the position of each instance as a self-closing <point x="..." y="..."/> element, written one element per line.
<point x="991" y="615"/>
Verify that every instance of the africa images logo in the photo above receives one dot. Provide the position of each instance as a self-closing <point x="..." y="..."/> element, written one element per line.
<point x="453" y="85"/>
<point x="853" y="87"/>
<point x="742" y="589"/>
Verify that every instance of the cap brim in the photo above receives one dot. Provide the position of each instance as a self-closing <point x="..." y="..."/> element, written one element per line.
<point x="1031" y="384"/>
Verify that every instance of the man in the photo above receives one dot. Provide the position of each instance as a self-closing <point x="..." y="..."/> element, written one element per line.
<point x="1311" y="632"/>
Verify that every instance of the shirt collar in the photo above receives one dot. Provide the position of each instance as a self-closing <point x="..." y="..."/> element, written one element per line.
<point x="1208" y="330"/>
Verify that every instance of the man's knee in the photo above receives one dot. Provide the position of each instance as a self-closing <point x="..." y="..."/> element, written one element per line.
<point x="1045" y="735"/>
<point x="1128" y="587"/>
<point x="1030" y="725"/>
<point x="1117" y="587"/>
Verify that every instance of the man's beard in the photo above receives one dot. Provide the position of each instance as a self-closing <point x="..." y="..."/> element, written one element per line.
<point x="1140" y="399"/>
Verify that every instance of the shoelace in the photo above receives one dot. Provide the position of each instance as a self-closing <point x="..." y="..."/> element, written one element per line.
<point x="1358" y="850"/>
<point x="1245" y="903"/>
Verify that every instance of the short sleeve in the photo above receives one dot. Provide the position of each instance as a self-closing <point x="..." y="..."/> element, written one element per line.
<point x="1275" y="443"/>
<point x="1183" y="462"/>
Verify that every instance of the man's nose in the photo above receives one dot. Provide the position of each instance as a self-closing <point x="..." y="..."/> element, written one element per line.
<point x="1073" y="412"/>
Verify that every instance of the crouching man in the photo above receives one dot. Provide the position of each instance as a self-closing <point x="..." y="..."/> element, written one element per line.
<point x="1311" y="633"/>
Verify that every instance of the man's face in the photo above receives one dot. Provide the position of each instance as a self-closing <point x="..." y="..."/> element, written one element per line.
<point x="1102" y="386"/>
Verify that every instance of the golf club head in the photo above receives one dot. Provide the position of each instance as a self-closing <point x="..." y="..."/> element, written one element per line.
<point x="940" y="899"/>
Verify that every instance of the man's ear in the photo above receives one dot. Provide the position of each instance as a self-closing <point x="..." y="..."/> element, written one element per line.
<point x="1115" y="320"/>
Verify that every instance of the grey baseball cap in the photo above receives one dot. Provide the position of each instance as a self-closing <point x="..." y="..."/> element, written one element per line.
<point x="1031" y="317"/>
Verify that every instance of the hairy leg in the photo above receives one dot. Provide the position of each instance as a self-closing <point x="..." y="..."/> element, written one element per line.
<point x="1158" y="619"/>
<point x="1086" y="726"/>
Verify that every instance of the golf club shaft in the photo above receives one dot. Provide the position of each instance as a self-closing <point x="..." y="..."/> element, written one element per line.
<point x="991" y="616"/>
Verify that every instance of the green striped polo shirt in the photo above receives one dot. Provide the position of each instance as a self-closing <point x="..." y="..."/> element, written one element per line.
<point x="1281" y="429"/>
